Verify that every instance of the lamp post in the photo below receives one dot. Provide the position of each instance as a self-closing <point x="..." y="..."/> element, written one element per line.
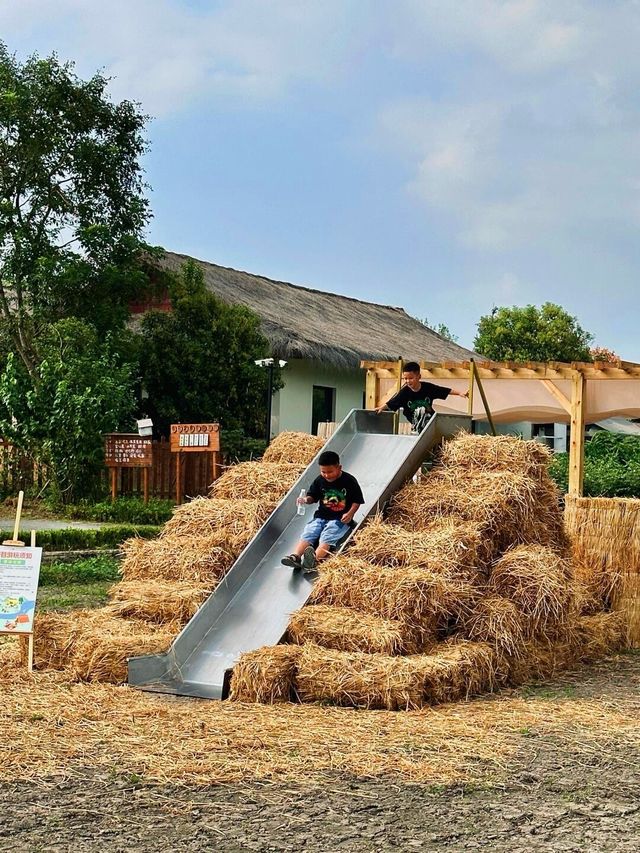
<point x="269" y="363"/>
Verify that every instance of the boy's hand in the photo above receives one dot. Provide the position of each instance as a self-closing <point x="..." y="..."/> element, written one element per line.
<point x="347" y="518"/>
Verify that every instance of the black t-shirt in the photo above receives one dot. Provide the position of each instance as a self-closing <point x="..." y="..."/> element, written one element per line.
<point x="409" y="400"/>
<point x="337" y="497"/>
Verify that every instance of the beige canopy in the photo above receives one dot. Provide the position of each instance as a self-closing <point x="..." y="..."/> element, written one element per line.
<point x="577" y="393"/>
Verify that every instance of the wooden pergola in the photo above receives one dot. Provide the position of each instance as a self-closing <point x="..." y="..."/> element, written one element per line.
<point x="385" y="377"/>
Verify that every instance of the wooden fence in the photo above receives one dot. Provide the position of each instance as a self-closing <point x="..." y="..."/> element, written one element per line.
<point x="18" y="471"/>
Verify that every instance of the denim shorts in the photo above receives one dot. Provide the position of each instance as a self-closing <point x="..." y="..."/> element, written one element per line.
<point x="324" y="531"/>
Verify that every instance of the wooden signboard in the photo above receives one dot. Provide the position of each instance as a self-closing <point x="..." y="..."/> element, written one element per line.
<point x="194" y="438"/>
<point x="128" y="450"/>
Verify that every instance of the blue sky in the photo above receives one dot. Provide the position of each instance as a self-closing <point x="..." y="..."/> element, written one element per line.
<point x="442" y="155"/>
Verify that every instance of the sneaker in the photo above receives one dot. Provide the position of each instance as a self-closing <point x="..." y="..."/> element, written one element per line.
<point x="309" y="561"/>
<point x="293" y="561"/>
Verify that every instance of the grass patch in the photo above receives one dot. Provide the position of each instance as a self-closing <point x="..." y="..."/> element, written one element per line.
<point x="87" y="571"/>
<point x="73" y="596"/>
<point x="122" y="511"/>
<point x="73" y="539"/>
<point x="543" y="691"/>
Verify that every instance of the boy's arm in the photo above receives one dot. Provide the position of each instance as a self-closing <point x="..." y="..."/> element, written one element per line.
<point x="347" y="518"/>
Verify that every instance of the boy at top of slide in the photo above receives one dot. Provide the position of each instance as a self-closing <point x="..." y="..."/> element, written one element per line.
<point x="415" y="398"/>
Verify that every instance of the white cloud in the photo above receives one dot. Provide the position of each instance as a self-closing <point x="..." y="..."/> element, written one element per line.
<point x="535" y="137"/>
<point x="165" y="53"/>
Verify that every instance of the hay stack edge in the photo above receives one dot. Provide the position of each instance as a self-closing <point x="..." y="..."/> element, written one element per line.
<point x="468" y="584"/>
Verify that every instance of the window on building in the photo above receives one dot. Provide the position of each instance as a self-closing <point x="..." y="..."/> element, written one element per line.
<point x="323" y="406"/>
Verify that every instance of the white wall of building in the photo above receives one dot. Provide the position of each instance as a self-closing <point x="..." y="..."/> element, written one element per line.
<point x="292" y="405"/>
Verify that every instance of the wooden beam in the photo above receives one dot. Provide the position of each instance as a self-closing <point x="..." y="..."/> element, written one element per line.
<point x="565" y="402"/>
<point x="371" y="390"/>
<point x="485" y="404"/>
<point x="576" y="450"/>
<point x="471" y="384"/>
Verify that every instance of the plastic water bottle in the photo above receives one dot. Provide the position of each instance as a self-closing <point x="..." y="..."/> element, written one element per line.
<point x="302" y="508"/>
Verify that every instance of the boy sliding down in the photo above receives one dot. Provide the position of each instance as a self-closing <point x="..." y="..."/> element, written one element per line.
<point x="339" y="496"/>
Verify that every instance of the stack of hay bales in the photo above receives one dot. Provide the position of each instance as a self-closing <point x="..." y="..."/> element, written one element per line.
<point x="467" y="584"/>
<point x="165" y="580"/>
<point x="605" y="536"/>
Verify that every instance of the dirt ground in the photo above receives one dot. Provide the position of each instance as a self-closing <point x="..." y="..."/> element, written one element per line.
<point x="558" y="791"/>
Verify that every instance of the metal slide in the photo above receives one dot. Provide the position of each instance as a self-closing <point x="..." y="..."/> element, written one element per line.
<point x="252" y="604"/>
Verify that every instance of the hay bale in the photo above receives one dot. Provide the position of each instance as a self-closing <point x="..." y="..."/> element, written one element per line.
<point x="266" y="675"/>
<point x="457" y="669"/>
<point x="508" y="508"/>
<point x="299" y="448"/>
<point x="354" y="631"/>
<point x="606" y="539"/>
<point x="413" y="596"/>
<point x="157" y="601"/>
<point x="270" y="481"/>
<point x="600" y="634"/>
<point x="541" y="658"/>
<point x="195" y="559"/>
<point x="239" y="519"/>
<point x="449" y="546"/>
<point x="395" y="683"/>
<point x="359" y="680"/>
<point x="54" y="637"/>
<point x="538" y="581"/>
<point x="93" y="645"/>
<point x="103" y="644"/>
<point x="499" y="623"/>
<point x="591" y="589"/>
<point x="496" y="453"/>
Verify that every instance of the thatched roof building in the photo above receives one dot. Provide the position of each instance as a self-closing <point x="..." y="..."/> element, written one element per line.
<point x="310" y="324"/>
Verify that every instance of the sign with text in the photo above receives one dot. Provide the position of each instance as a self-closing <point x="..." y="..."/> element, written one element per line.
<point x="127" y="450"/>
<point x="19" y="573"/>
<point x="190" y="437"/>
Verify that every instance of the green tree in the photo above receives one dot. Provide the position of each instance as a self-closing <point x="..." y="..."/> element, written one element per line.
<point x="547" y="333"/>
<point x="197" y="362"/>
<point x="81" y="390"/>
<point x="440" y="329"/>
<point x="72" y="208"/>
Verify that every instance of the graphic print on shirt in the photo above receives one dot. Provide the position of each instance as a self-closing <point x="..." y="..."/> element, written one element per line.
<point x="412" y="405"/>
<point x="334" y="499"/>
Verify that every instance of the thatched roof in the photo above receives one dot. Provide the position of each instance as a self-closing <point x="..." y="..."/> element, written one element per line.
<point x="301" y="322"/>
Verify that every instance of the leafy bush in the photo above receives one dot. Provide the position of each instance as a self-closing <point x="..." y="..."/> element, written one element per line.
<point x="74" y="539"/>
<point x="125" y="510"/>
<point x="611" y="466"/>
<point x="91" y="569"/>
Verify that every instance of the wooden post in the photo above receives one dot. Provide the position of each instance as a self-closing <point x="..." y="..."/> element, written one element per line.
<point x="114" y="483"/>
<point x="371" y="389"/>
<point x="472" y="374"/>
<point x="576" y="450"/>
<point x="178" y="479"/>
<point x="145" y="484"/>
<point x="484" y="402"/>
